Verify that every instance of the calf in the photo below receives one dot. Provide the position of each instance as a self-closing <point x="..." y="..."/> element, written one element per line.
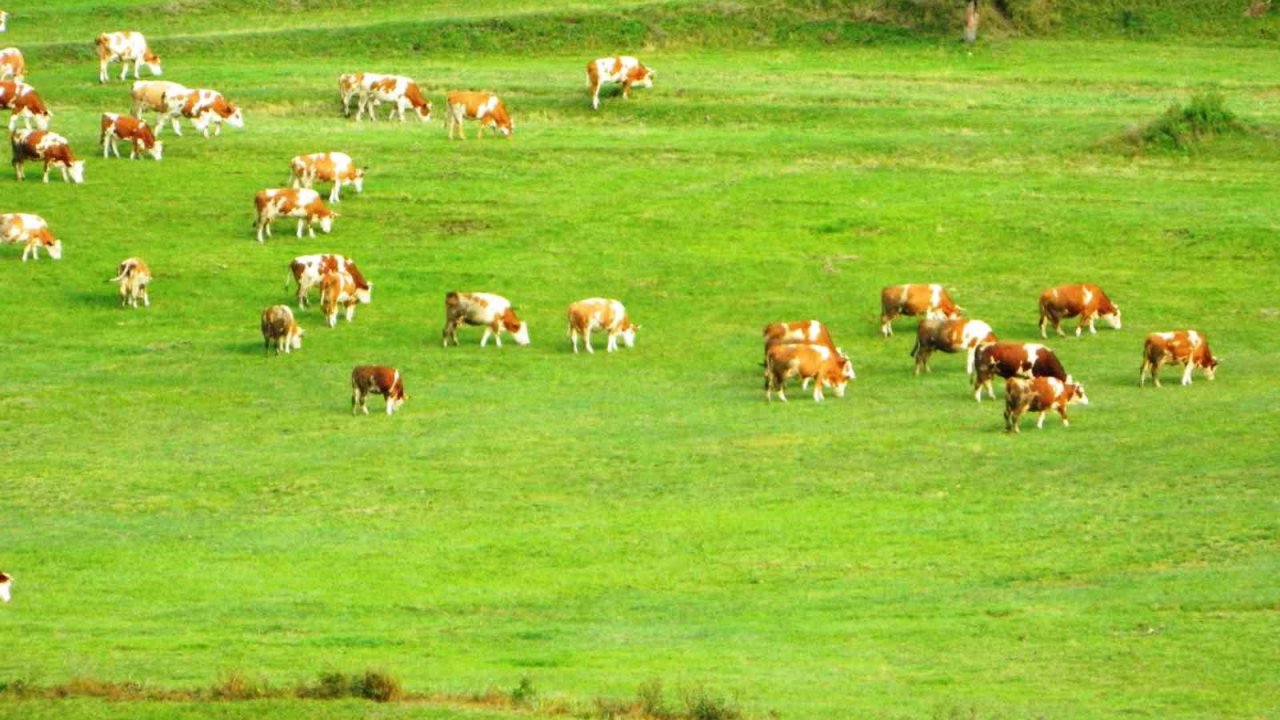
<point x="308" y="270"/>
<point x="1039" y="394"/>
<point x="492" y="311"/>
<point x="33" y="232"/>
<point x="950" y="336"/>
<point x="376" y="380"/>
<point x="333" y="167"/>
<point x="133" y="276"/>
<point x="50" y="148"/>
<point x="825" y="365"/>
<point x="622" y="69"/>
<point x="401" y="91"/>
<point x="6" y="580"/>
<point x="600" y="314"/>
<point x="202" y="107"/>
<point x="136" y="132"/>
<point x="12" y="64"/>
<point x="338" y="288"/>
<point x="1013" y="359"/>
<point x="23" y="103"/>
<point x="300" y="203"/>
<point x="126" y="47"/>
<point x="931" y="301"/>
<point x="278" y="326"/>
<point x="483" y="107"/>
<point x="1087" y="301"/>
<point x="1180" y="346"/>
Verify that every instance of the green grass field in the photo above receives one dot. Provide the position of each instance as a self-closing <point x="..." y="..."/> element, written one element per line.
<point x="180" y="508"/>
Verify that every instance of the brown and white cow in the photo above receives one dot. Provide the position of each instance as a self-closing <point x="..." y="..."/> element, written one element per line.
<point x="334" y="167"/>
<point x="1087" y="301"/>
<point x="402" y="92"/>
<point x="136" y="132"/>
<point x="931" y="300"/>
<point x="150" y="95"/>
<point x="308" y="270"/>
<point x="1039" y="394"/>
<point x="51" y="149"/>
<point x="601" y="314"/>
<point x="348" y="90"/>
<point x="12" y="64"/>
<point x="278" y="326"/>
<point x="23" y="103"/>
<point x="6" y="580"/>
<point x="950" y="336"/>
<point x="376" y="380"/>
<point x="1014" y="359"/>
<point x="203" y="107"/>
<point x="300" y="203"/>
<point x="820" y="363"/>
<point x="133" y="276"/>
<point x="33" y="232"/>
<point x="127" y="47"/>
<point x="1188" y="347"/>
<point x="622" y="69"/>
<point x="483" y="107"/>
<point x="339" y="288"/>
<point x="477" y="308"/>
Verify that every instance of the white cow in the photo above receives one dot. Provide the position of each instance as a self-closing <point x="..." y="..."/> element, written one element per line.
<point x="126" y="47"/>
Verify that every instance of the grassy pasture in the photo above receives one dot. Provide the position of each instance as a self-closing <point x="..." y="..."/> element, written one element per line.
<point x="179" y="506"/>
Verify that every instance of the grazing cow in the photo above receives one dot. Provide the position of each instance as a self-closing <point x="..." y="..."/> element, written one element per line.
<point x="339" y="288"/>
<point x="150" y="95"/>
<point x="348" y="90"/>
<point x="1014" y="359"/>
<point x="335" y="167"/>
<point x="126" y="47"/>
<point x="32" y="231"/>
<point x="133" y="276"/>
<point x="600" y="314"/>
<point x="492" y="311"/>
<point x="823" y="364"/>
<point x="401" y="91"/>
<point x="12" y="65"/>
<point x="1039" y="394"/>
<point x="23" y="102"/>
<point x="950" y="336"/>
<point x="279" y="326"/>
<point x="1180" y="346"/>
<point x="308" y="270"/>
<point x="6" y="580"/>
<point x="300" y="203"/>
<point x="137" y="132"/>
<point x="483" y="107"/>
<point x="376" y="380"/>
<point x="50" y="148"/>
<point x="203" y="107"/>
<point x="931" y="301"/>
<point x="1087" y="301"/>
<point x="618" y="69"/>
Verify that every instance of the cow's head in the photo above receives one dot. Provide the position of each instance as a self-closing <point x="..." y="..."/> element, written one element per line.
<point x="6" y="580"/>
<point x="396" y="395"/>
<point x="364" y="294"/>
<point x="54" y="246"/>
<point x="628" y="332"/>
<point x="235" y="119"/>
<point x="641" y="76"/>
<point x="152" y="61"/>
<point x="156" y="150"/>
<point x="521" y="335"/>
<point x="325" y="217"/>
<point x="42" y="120"/>
<point x="1074" y="392"/>
<point x="424" y="111"/>
<point x="1113" y="317"/>
<point x="358" y="181"/>
<point x="1208" y="363"/>
<point x="846" y="365"/>
<point x="295" y="337"/>
<point x="76" y="170"/>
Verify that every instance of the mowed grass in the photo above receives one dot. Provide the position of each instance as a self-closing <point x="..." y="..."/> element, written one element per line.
<point x="179" y="506"/>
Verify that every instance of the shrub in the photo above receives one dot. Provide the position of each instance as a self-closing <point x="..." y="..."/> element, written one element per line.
<point x="524" y="694"/>
<point x="701" y="705"/>
<point x="236" y="686"/>
<point x="377" y="686"/>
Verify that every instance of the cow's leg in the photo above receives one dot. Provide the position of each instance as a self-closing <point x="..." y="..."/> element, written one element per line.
<point x="364" y="402"/>
<point x="1062" y="410"/>
<point x="968" y="365"/>
<point x="1155" y="371"/>
<point x="1040" y="419"/>
<point x="586" y="338"/>
<point x="106" y="146"/>
<point x="335" y="193"/>
<point x="351" y="310"/>
<point x="19" y="172"/>
<point x="1186" y="372"/>
<point x="817" y="391"/>
<point x="146" y="298"/>
<point x="1092" y="330"/>
<point x="497" y="333"/>
<point x="484" y="339"/>
<point x="573" y="338"/>
<point x="124" y="69"/>
<point x="46" y="171"/>
<point x="102" y="70"/>
<point x="626" y="89"/>
<point x="1043" y="324"/>
<point x="301" y="222"/>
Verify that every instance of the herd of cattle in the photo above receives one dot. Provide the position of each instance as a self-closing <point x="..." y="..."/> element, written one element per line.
<point x="1035" y="379"/>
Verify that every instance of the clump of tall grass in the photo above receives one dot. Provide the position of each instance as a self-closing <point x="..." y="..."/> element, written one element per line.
<point x="1181" y="127"/>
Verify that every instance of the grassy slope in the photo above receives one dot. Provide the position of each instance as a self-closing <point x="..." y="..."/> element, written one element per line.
<point x="180" y="506"/>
